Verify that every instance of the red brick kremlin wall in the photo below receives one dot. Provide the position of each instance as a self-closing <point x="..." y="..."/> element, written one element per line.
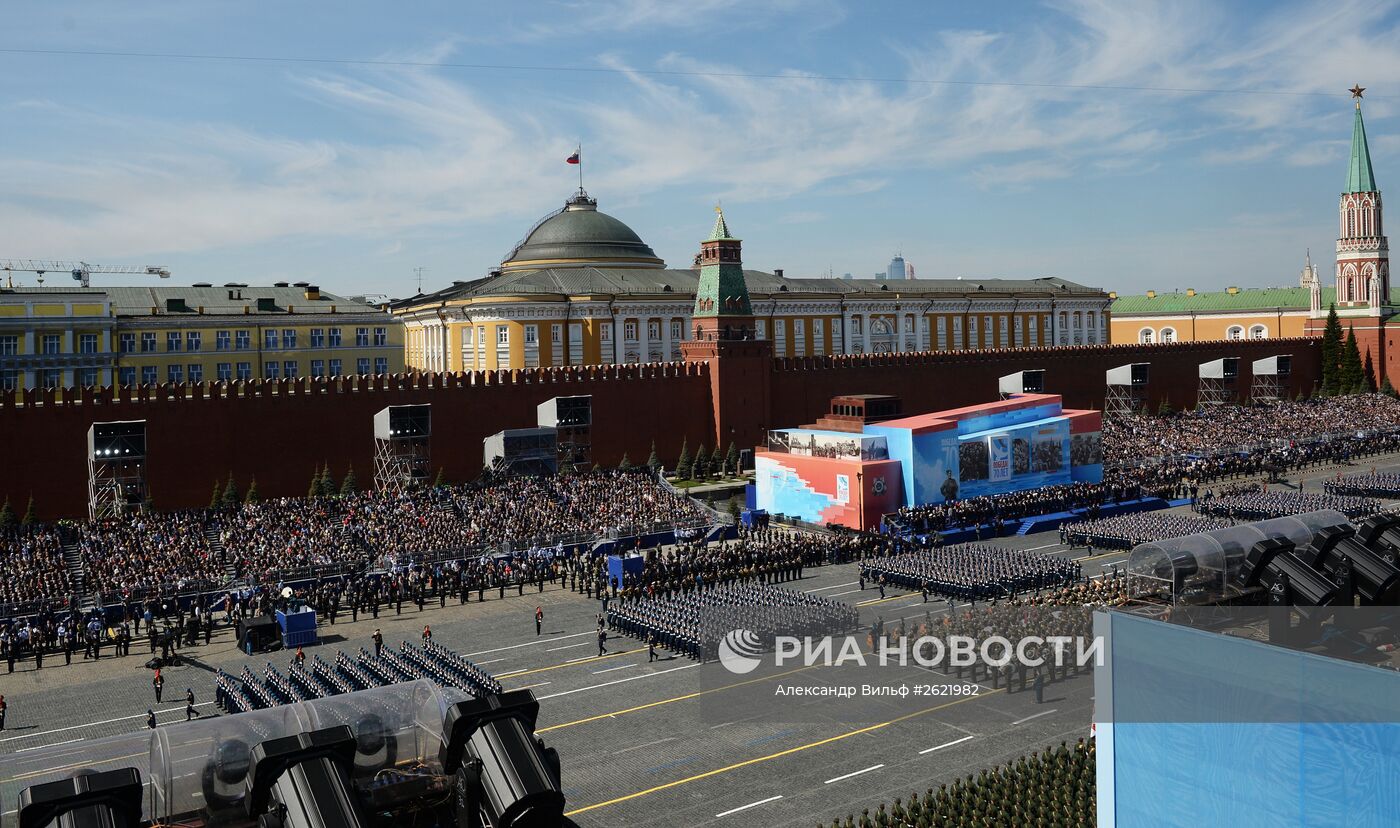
<point x="280" y="431"/>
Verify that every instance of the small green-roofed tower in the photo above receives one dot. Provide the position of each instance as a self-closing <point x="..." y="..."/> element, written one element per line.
<point x="722" y="307"/>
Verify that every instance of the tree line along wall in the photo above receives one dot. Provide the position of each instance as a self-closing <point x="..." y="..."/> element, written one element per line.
<point x="280" y="432"/>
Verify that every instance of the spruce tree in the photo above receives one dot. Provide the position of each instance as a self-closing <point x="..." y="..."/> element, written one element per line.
<point x="653" y="462"/>
<point x="229" y="499"/>
<point x="328" y="488"/>
<point x="1351" y="379"/>
<point x="216" y="498"/>
<point x="7" y="516"/>
<point x="684" y="465"/>
<point x="252" y="496"/>
<point x="1370" y="374"/>
<point x="315" y="489"/>
<point x="731" y="459"/>
<point x="441" y="478"/>
<point x="349" y="485"/>
<point x="30" y="515"/>
<point x="626" y="464"/>
<point x="1387" y="388"/>
<point x="701" y="469"/>
<point x="1331" y="353"/>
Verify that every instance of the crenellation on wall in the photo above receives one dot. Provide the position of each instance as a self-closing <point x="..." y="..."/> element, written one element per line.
<point x="280" y="431"/>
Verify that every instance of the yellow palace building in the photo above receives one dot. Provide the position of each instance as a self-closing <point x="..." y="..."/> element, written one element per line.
<point x="64" y="337"/>
<point x="582" y="288"/>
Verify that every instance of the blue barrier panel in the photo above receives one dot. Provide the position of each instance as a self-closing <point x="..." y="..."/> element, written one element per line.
<point x="624" y="565"/>
<point x="298" y="628"/>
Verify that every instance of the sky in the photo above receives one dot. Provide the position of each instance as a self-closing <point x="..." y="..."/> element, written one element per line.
<point x="1126" y="145"/>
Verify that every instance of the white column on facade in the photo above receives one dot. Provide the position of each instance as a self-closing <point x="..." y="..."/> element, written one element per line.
<point x="846" y="332"/>
<point x="617" y="334"/>
<point x="643" y="338"/>
<point x="865" y="331"/>
<point x="666" y="339"/>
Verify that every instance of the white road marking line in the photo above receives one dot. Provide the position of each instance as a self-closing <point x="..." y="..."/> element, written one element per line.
<point x="492" y="661"/>
<point x="567" y="646"/>
<point x="718" y="726"/>
<point x="538" y="684"/>
<point x="526" y="644"/>
<point x="55" y="744"/>
<point x="512" y="673"/>
<point x="945" y="745"/>
<point x="1036" y="716"/>
<point x="748" y="806"/>
<point x="847" y="592"/>
<point x="833" y="586"/>
<point x="616" y="681"/>
<point x="171" y="709"/>
<point x="854" y="773"/>
<point x="610" y="669"/>
<point x="647" y="744"/>
<point x="1038" y="548"/>
<point x="581" y="658"/>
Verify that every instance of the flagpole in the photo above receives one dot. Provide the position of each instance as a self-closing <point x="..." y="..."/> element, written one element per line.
<point x="579" y="150"/>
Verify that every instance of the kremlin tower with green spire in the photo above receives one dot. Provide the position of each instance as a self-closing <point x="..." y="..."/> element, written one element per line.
<point x="722" y="336"/>
<point x="1363" y="255"/>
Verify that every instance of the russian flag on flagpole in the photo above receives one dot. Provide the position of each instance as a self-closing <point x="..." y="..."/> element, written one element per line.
<point x="572" y="159"/>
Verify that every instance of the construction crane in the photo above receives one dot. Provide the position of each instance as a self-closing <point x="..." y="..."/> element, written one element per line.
<point x="80" y="271"/>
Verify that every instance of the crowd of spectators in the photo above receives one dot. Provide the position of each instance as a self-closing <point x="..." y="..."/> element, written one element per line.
<point x="265" y="541"/>
<point x="993" y="509"/>
<point x="1053" y="788"/>
<point x="528" y="510"/>
<point x="32" y="559"/>
<point x="152" y="549"/>
<point x="1127" y="531"/>
<point x="970" y="572"/>
<point x="286" y="533"/>
<point x="1262" y="505"/>
<point x="1135" y="439"/>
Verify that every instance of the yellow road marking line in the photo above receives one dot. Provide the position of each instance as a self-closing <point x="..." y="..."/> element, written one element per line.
<point x="661" y="702"/>
<point x="771" y="756"/>
<point x="592" y="660"/>
<point x="883" y="600"/>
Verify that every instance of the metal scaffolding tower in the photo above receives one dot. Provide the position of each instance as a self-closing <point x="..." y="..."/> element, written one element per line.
<point x="402" y="436"/>
<point x="1271" y="379"/>
<point x="572" y="419"/>
<point x="116" y="468"/>
<point x="1127" y="388"/>
<point x="1217" y="382"/>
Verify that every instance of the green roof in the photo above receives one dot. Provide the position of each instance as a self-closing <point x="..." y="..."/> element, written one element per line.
<point x="721" y="230"/>
<point x="1247" y="299"/>
<point x="1360" y="179"/>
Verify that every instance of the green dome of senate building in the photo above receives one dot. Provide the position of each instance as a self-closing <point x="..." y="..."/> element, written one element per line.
<point x="580" y="236"/>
